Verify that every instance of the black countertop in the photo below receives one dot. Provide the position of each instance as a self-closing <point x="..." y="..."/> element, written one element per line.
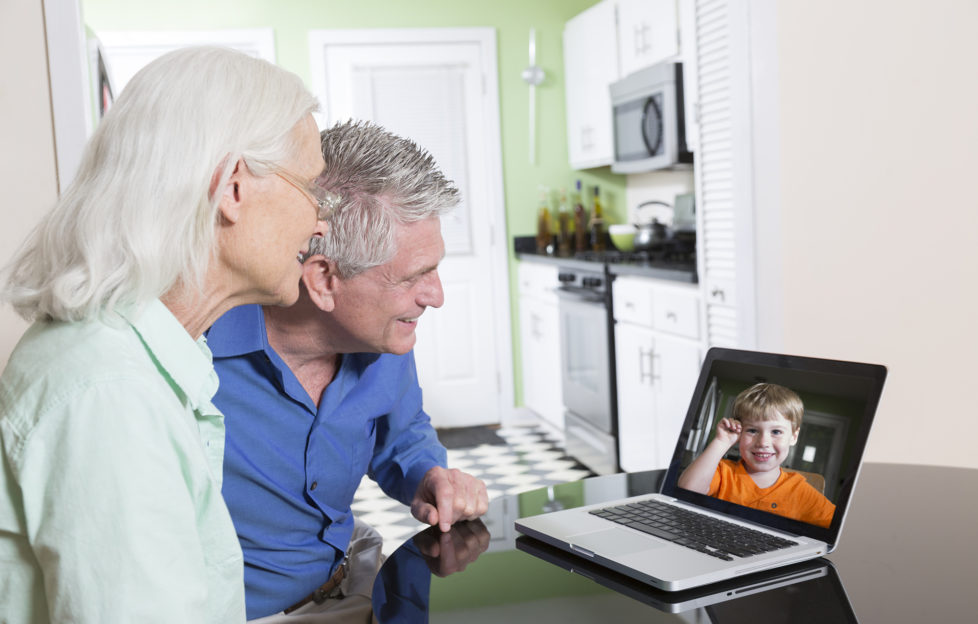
<point x="907" y="554"/>
<point x="678" y="270"/>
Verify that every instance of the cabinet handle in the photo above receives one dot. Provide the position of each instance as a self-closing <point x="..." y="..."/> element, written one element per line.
<point x="535" y="326"/>
<point x="639" y="38"/>
<point x="642" y="374"/>
<point x="671" y="316"/>
<point x="717" y="293"/>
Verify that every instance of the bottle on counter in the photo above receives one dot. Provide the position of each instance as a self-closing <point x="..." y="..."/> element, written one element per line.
<point x="580" y="221"/>
<point x="544" y="232"/>
<point x="597" y="223"/>
<point x="563" y="225"/>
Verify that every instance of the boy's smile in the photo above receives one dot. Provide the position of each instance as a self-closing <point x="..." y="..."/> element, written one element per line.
<point x="764" y="445"/>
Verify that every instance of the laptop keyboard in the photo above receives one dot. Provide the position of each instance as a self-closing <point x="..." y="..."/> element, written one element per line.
<point x="702" y="533"/>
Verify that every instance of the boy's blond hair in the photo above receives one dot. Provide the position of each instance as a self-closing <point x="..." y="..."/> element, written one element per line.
<point x="767" y="401"/>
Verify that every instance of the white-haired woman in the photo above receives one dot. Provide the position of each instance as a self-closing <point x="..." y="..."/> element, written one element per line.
<point x="194" y="195"/>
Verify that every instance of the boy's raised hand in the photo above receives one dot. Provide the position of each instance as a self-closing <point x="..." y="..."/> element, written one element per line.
<point x="728" y="431"/>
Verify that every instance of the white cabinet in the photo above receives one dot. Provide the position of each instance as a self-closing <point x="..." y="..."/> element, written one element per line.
<point x="658" y="357"/>
<point x="540" y="341"/>
<point x="647" y="33"/>
<point x="590" y="66"/>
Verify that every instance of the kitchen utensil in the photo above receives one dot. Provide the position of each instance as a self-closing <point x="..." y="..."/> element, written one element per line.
<point x="652" y="234"/>
<point x="532" y="76"/>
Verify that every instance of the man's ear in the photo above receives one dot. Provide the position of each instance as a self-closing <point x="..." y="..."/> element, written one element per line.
<point x="229" y="207"/>
<point x="321" y="281"/>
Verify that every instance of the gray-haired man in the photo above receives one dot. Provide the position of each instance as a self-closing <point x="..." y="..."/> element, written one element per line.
<point x="318" y="394"/>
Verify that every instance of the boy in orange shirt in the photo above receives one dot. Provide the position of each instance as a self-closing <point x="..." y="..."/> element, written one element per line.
<point x="766" y="421"/>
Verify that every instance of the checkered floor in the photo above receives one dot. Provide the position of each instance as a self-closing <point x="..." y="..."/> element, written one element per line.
<point x="530" y="459"/>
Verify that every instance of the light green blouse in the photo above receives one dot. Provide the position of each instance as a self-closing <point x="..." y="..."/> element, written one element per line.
<point x="110" y="481"/>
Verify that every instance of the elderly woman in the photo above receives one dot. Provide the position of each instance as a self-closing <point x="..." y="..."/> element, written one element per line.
<point x="196" y="194"/>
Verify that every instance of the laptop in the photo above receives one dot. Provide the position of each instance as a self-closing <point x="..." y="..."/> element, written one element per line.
<point x="810" y="591"/>
<point x="840" y="400"/>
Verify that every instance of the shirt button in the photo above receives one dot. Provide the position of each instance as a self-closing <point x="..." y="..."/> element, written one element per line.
<point x="314" y="485"/>
<point x="773" y="505"/>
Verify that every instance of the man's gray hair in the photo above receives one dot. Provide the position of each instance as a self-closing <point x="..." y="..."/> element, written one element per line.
<point x="139" y="217"/>
<point x="382" y="181"/>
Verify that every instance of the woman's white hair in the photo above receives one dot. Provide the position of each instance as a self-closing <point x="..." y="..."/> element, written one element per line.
<point x="138" y="218"/>
<point x="382" y="180"/>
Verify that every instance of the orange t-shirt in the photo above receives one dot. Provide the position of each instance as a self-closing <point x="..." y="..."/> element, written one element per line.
<point x="791" y="495"/>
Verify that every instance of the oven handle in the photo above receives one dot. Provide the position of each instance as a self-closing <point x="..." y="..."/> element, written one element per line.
<point x="579" y="294"/>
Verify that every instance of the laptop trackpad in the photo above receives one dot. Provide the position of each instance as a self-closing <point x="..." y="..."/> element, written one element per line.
<point x="614" y="542"/>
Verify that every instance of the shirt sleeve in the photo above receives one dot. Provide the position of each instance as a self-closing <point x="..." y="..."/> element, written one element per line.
<point x="407" y="446"/>
<point x="108" y="480"/>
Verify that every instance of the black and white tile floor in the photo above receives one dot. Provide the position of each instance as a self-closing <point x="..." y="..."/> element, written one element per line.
<point x="530" y="459"/>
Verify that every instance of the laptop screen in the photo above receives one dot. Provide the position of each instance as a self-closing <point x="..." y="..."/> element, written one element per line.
<point x="776" y="439"/>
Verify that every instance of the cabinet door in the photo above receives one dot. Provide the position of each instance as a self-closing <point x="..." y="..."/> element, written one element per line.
<point x="635" y="348"/>
<point x="539" y="337"/>
<point x="648" y="32"/>
<point x="590" y="66"/>
<point x="676" y="367"/>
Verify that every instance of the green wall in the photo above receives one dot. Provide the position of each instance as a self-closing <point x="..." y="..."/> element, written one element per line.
<point x="512" y="19"/>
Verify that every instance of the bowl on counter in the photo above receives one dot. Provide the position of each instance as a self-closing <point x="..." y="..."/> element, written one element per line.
<point x="623" y="236"/>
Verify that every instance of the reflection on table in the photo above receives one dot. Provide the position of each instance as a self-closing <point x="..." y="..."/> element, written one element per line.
<point x="892" y="564"/>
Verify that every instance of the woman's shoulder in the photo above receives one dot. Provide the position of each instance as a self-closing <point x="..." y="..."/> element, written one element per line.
<point x="55" y="361"/>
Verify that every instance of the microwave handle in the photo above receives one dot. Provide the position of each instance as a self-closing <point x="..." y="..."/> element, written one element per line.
<point x="651" y="106"/>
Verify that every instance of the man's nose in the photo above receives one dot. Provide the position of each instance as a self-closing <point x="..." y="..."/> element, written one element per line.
<point x="432" y="294"/>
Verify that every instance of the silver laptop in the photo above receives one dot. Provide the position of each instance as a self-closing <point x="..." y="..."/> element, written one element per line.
<point x="840" y="400"/>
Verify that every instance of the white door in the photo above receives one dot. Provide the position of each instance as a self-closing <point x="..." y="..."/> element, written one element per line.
<point x="438" y="87"/>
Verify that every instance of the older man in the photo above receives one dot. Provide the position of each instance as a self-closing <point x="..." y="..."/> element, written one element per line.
<point x="321" y="393"/>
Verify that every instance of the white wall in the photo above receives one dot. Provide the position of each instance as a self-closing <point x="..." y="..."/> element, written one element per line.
<point x="28" y="175"/>
<point x="878" y="251"/>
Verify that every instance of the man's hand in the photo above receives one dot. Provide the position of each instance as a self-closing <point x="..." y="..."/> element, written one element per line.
<point x="445" y="497"/>
<point x="728" y="431"/>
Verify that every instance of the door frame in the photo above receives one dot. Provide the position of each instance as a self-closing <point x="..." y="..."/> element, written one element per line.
<point x="485" y="38"/>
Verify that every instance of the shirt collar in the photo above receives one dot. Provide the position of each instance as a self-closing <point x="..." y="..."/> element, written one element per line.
<point x="239" y="331"/>
<point x="187" y="362"/>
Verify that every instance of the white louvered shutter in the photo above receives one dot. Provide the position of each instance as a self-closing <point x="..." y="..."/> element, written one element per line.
<point x="715" y="172"/>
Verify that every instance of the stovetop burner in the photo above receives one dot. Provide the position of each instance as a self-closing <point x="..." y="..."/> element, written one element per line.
<point x="666" y="255"/>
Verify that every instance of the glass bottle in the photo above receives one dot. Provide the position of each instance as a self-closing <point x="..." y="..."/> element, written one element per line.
<point x="563" y="225"/>
<point x="580" y="221"/>
<point x="544" y="235"/>
<point x="597" y="223"/>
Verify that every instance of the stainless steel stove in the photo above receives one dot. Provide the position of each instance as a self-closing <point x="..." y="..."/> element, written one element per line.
<point x="588" y="365"/>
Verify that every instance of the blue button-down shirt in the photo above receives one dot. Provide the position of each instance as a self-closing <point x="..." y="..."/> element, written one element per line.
<point x="291" y="470"/>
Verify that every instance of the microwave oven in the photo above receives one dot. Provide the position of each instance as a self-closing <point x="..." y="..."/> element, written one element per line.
<point x="648" y="117"/>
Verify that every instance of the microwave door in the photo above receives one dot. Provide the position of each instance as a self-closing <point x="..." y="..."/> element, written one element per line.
<point x="652" y="126"/>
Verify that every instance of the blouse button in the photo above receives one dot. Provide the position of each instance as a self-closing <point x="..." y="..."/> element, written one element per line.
<point x="314" y="485"/>
<point x="773" y="505"/>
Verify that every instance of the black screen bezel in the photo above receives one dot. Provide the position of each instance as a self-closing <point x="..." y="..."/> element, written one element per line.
<point x="873" y="375"/>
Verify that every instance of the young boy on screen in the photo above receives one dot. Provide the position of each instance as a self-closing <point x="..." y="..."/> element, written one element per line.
<point x="766" y="421"/>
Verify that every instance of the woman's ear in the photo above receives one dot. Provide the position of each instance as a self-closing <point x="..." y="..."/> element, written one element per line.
<point x="321" y="281"/>
<point x="230" y="194"/>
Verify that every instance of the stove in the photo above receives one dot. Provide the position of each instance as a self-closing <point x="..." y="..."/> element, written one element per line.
<point x="668" y="261"/>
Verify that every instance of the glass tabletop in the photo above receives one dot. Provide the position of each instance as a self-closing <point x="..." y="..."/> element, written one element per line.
<point x="895" y="563"/>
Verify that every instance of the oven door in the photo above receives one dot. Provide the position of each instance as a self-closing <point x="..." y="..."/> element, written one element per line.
<point x="585" y="364"/>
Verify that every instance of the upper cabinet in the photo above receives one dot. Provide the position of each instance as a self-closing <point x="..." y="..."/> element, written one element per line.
<point x="647" y="33"/>
<point x="609" y="41"/>
<point x="590" y="65"/>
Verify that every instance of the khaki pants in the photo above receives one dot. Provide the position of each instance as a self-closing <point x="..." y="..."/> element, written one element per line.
<point x="366" y="557"/>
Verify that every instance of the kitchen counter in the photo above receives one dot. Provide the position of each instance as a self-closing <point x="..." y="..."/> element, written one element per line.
<point x="677" y="270"/>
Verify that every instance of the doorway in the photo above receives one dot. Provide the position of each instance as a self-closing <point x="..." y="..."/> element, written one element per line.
<point x="439" y="88"/>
